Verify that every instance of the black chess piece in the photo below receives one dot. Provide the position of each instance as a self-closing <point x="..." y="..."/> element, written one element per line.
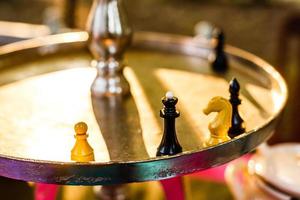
<point x="169" y="144"/>
<point x="220" y="62"/>
<point x="237" y="123"/>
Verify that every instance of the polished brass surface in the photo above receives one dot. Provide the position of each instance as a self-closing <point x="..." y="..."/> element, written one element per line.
<point x="110" y="35"/>
<point x="44" y="96"/>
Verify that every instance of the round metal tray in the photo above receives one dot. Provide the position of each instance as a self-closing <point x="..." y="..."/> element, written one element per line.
<point x="45" y="90"/>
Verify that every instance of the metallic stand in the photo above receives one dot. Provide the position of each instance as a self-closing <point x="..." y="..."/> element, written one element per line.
<point x="110" y="35"/>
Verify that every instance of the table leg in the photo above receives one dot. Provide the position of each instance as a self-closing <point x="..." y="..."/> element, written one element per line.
<point x="174" y="188"/>
<point x="45" y="191"/>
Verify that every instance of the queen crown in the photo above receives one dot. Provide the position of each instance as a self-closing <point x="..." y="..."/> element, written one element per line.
<point x="169" y="109"/>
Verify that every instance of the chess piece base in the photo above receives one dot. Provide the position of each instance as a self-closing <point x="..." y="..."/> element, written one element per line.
<point x="216" y="140"/>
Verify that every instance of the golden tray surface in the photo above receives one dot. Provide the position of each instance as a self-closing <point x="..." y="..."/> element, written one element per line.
<point x="45" y="90"/>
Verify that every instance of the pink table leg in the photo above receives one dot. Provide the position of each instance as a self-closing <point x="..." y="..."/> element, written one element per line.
<point x="45" y="191"/>
<point x="217" y="174"/>
<point x="173" y="188"/>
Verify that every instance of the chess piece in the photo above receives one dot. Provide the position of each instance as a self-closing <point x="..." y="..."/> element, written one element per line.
<point x="220" y="125"/>
<point x="82" y="151"/>
<point x="237" y="123"/>
<point x="109" y="37"/>
<point x="219" y="60"/>
<point x="169" y="144"/>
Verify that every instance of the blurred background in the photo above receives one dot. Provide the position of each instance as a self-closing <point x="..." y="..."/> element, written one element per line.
<point x="269" y="29"/>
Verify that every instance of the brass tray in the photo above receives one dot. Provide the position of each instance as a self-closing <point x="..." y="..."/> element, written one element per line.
<point x="45" y="89"/>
